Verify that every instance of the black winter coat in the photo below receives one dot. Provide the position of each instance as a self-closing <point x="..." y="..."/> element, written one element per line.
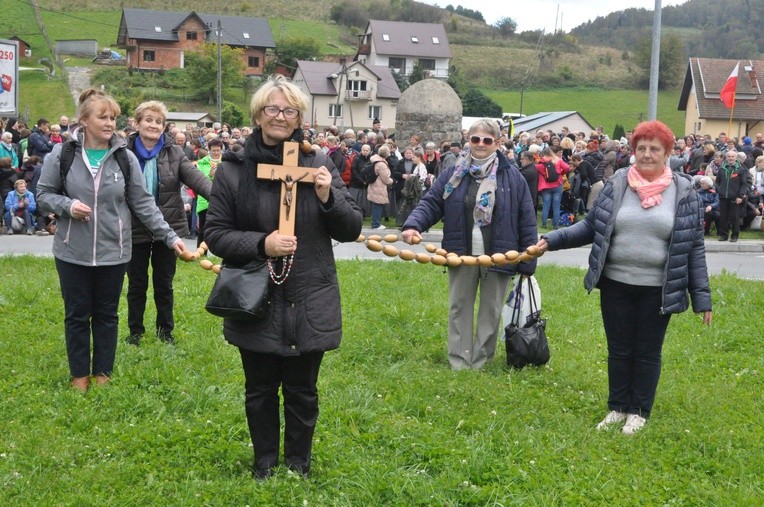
<point x="686" y="264"/>
<point x="173" y="169"/>
<point x="304" y="314"/>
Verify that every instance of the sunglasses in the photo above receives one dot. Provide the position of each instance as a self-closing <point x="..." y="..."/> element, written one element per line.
<point x="488" y="141"/>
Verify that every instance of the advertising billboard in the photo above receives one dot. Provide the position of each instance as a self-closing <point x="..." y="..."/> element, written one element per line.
<point x="9" y="77"/>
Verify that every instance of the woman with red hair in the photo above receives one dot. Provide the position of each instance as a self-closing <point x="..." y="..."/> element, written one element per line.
<point x="646" y="228"/>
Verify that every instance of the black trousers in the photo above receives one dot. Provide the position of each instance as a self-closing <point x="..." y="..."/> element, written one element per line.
<point x="297" y="377"/>
<point x="201" y="222"/>
<point x="163" y="266"/>
<point x="635" y="332"/>
<point x="729" y="215"/>
<point x="91" y="300"/>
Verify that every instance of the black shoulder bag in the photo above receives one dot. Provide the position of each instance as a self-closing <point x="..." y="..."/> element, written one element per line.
<point x="528" y="344"/>
<point x="241" y="292"/>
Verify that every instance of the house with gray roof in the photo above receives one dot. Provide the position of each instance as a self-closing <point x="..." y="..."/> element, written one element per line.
<point x="160" y="39"/>
<point x="705" y="113"/>
<point x="553" y="121"/>
<point x="399" y="45"/>
<point x="348" y="95"/>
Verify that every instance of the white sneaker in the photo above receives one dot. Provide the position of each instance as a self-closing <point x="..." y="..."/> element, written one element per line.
<point x="634" y="423"/>
<point x="380" y="228"/>
<point x="611" y="418"/>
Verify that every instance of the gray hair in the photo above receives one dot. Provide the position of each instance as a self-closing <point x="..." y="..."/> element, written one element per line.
<point x="485" y="125"/>
<point x="383" y="151"/>
<point x="706" y="181"/>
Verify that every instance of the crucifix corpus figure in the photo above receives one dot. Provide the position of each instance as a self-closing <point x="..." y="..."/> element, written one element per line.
<point x="289" y="174"/>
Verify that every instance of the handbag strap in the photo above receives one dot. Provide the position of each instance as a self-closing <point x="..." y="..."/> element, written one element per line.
<point x="534" y="305"/>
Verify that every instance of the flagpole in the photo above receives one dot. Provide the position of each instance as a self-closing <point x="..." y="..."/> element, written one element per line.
<point x="732" y="111"/>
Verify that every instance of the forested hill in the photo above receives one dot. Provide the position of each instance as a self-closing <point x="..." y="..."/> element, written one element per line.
<point x="710" y="28"/>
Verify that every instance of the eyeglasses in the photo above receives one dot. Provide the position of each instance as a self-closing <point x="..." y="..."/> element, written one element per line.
<point x="488" y="141"/>
<point x="290" y="113"/>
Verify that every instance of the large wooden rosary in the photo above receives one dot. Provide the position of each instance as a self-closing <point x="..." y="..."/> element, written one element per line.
<point x="441" y="257"/>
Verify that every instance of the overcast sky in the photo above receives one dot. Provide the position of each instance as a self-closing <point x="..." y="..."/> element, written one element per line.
<point x="538" y="14"/>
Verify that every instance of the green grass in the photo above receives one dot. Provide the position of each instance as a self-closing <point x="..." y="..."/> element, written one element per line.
<point x="397" y="426"/>
<point x="101" y="25"/>
<point x="597" y="106"/>
<point x="44" y="96"/>
<point x="329" y="34"/>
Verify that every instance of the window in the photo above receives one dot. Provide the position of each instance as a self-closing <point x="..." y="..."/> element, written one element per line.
<point x="397" y="64"/>
<point x="190" y="35"/>
<point x="427" y="63"/>
<point x="435" y="40"/>
<point x="245" y="35"/>
<point x="386" y="37"/>
<point x="356" y="87"/>
<point x="158" y="29"/>
<point x="253" y="61"/>
<point x="335" y="110"/>
<point x="414" y="39"/>
<point x="375" y="112"/>
<point x="149" y="56"/>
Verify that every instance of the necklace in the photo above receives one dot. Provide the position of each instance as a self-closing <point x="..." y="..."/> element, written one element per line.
<point x="286" y="267"/>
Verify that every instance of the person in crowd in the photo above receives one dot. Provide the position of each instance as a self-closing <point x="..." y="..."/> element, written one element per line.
<point x="357" y="187"/>
<point x="208" y="166"/>
<point x="431" y="158"/>
<point x="531" y="174"/>
<point x="55" y="134"/>
<point x="567" y="146"/>
<point x="732" y="184"/>
<point x="591" y="158"/>
<point x="20" y="203"/>
<point x="551" y="191"/>
<point x="39" y="140"/>
<point x="63" y="123"/>
<point x="304" y="319"/>
<point x="679" y="158"/>
<point x="401" y="172"/>
<point x="757" y="174"/>
<point x="647" y="253"/>
<point x="710" y="202"/>
<point x="9" y="150"/>
<point x="377" y="190"/>
<point x="448" y="159"/>
<point x="93" y="241"/>
<point x="486" y="208"/>
<point x="188" y="148"/>
<point x="8" y="177"/>
<point x="165" y="169"/>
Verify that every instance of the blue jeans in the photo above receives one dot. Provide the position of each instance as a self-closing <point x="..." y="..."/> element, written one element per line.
<point x="553" y="196"/>
<point x="376" y="214"/>
<point x="27" y="216"/>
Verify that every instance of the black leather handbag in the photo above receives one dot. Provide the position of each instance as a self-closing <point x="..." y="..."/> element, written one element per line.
<point x="241" y="292"/>
<point x="527" y="344"/>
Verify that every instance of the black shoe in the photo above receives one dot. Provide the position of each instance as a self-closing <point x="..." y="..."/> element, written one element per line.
<point x="166" y="337"/>
<point x="302" y="469"/>
<point x="733" y="239"/>
<point x="134" y="339"/>
<point x="722" y="238"/>
<point x="261" y="474"/>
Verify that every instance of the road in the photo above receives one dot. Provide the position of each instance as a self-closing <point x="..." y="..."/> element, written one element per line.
<point x="744" y="259"/>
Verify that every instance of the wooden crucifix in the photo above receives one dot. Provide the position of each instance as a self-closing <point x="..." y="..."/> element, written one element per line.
<point x="289" y="174"/>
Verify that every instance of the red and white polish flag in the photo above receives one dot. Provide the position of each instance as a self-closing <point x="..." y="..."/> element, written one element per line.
<point x="728" y="90"/>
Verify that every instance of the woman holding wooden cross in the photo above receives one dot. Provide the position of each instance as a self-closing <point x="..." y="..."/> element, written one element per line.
<point x="244" y="220"/>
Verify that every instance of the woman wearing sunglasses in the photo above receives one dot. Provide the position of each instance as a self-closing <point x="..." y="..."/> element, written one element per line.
<point x="486" y="208"/>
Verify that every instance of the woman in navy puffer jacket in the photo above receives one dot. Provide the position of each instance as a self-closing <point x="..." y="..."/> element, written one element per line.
<point x="646" y="231"/>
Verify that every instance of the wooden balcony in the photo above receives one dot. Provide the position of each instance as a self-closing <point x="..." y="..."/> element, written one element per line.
<point x="364" y="49"/>
<point x="357" y="95"/>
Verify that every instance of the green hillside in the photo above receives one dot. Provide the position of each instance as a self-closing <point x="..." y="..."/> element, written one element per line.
<point x="561" y="76"/>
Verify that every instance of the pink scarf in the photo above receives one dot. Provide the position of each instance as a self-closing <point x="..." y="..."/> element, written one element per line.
<point x="649" y="191"/>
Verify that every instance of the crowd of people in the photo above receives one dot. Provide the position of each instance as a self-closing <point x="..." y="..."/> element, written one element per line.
<point x="155" y="182"/>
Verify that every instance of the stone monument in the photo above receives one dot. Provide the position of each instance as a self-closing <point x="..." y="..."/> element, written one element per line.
<point x="431" y="109"/>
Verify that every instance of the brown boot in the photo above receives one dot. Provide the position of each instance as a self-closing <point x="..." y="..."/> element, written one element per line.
<point x="102" y="380"/>
<point x="81" y="383"/>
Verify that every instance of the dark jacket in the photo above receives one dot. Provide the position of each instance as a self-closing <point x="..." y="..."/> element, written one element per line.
<point x="588" y="166"/>
<point x="173" y="170"/>
<point x="39" y="144"/>
<point x="514" y="217"/>
<point x="732" y="181"/>
<point x="304" y="314"/>
<point x="531" y="175"/>
<point x="355" y="171"/>
<point x="686" y="263"/>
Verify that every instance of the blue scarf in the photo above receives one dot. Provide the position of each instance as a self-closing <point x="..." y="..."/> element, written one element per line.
<point x="148" y="161"/>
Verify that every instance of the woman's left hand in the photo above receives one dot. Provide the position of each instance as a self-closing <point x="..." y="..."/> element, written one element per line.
<point x="179" y="247"/>
<point x="707" y="317"/>
<point x="323" y="184"/>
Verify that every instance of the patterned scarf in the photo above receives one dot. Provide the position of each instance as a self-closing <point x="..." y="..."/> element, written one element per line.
<point x="649" y="191"/>
<point x="483" y="170"/>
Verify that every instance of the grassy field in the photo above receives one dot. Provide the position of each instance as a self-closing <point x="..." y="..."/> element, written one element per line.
<point x="397" y="426"/>
<point x="598" y="107"/>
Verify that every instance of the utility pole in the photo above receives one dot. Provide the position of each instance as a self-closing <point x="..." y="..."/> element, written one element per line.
<point x="655" y="60"/>
<point x="220" y="75"/>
